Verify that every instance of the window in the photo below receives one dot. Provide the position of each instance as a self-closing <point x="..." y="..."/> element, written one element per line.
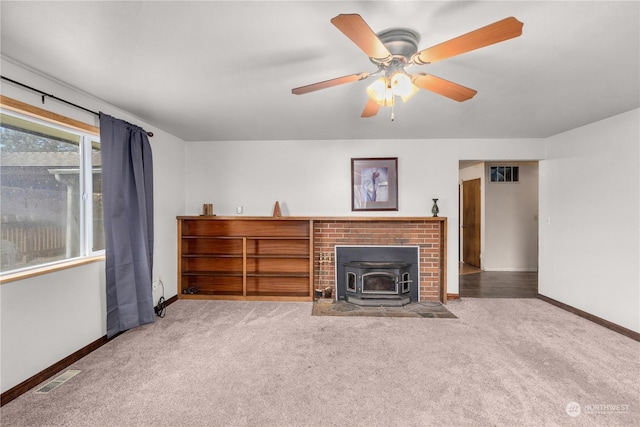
<point x="51" y="192"/>
<point x="505" y="173"/>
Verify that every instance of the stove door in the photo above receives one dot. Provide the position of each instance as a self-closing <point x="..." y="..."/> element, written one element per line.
<point x="379" y="282"/>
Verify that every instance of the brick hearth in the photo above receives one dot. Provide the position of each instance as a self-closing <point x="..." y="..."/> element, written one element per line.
<point x="427" y="233"/>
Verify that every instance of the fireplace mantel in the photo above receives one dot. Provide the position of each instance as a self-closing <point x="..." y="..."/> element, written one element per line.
<point x="321" y="218"/>
<point x="378" y="218"/>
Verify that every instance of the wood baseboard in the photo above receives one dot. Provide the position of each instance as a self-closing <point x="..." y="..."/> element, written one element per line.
<point x="47" y="373"/>
<point x="451" y="297"/>
<point x="595" y="319"/>
<point x="43" y="375"/>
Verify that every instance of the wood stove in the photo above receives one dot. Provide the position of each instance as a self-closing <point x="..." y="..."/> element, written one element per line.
<point x="375" y="283"/>
<point x="377" y="275"/>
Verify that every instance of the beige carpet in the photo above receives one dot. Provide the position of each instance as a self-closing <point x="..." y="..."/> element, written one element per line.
<point x="223" y="363"/>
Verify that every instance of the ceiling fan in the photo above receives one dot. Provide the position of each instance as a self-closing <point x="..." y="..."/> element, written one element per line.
<point x="395" y="49"/>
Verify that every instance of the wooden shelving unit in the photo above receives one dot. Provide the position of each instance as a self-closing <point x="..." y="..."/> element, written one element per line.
<point x="252" y="258"/>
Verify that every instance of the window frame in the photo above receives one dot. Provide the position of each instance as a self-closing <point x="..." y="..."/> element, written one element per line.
<point x="514" y="172"/>
<point x="88" y="134"/>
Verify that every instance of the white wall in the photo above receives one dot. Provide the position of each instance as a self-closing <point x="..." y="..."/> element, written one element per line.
<point x="312" y="178"/>
<point x="589" y="219"/>
<point x="510" y="220"/>
<point x="48" y="317"/>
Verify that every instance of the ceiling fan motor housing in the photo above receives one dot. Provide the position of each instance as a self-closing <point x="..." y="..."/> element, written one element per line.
<point x="400" y="42"/>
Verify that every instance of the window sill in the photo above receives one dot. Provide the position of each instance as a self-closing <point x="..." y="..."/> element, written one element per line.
<point x="12" y="277"/>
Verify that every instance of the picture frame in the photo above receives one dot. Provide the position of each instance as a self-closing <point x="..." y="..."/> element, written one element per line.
<point x="374" y="184"/>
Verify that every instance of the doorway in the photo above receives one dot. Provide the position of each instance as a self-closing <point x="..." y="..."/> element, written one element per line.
<point x="498" y="228"/>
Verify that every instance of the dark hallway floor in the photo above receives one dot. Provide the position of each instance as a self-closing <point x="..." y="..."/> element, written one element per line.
<point x="499" y="284"/>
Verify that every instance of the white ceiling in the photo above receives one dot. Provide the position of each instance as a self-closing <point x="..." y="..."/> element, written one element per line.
<point x="215" y="70"/>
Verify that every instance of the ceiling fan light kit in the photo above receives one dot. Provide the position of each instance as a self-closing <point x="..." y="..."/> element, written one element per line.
<point x="385" y="89"/>
<point x="395" y="49"/>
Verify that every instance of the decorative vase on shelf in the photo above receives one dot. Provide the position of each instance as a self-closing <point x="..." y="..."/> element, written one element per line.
<point x="434" y="209"/>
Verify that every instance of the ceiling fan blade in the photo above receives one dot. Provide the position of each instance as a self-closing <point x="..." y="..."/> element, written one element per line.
<point x="371" y="109"/>
<point x="329" y="83"/>
<point x="499" y="31"/>
<point x="354" y="27"/>
<point x="443" y="87"/>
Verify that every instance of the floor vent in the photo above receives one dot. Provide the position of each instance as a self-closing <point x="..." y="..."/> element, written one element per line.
<point x="59" y="380"/>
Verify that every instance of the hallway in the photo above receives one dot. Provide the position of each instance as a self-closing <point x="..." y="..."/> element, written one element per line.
<point x="475" y="283"/>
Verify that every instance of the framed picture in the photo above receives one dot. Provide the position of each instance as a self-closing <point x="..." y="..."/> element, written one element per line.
<point x="374" y="184"/>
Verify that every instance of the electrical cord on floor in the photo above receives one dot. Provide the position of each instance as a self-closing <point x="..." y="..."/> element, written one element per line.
<point x="161" y="308"/>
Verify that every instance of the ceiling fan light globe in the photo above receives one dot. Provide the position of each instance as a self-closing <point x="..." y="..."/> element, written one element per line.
<point x="380" y="92"/>
<point x="402" y="86"/>
<point x="408" y="96"/>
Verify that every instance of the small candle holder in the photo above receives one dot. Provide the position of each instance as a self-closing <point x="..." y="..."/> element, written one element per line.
<point x="207" y="209"/>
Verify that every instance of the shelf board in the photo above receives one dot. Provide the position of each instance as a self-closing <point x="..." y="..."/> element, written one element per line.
<point x="239" y="274"/>
<point x="284" y="275"/>
<point x="279" y="294"/>
<point x="279" y="256"/>
<point x="286" y="256"/>
<point x="195" y="236"/>
<point x="211" y="255"/>
<point x="305" y="237"/>
<point x="298" y="297"/>
<point x="213" y="273"/>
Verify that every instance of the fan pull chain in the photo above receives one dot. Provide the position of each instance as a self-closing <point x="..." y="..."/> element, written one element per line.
<point x="393" y="116"/>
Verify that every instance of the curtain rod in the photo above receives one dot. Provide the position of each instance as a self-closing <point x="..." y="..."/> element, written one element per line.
<point x="44" y="94"/>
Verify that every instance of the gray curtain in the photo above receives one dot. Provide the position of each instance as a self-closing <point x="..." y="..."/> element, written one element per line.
<point x="127" y="191"/>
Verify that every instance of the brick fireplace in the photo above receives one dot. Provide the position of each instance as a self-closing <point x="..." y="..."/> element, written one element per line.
<point x="428" y="233"/>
